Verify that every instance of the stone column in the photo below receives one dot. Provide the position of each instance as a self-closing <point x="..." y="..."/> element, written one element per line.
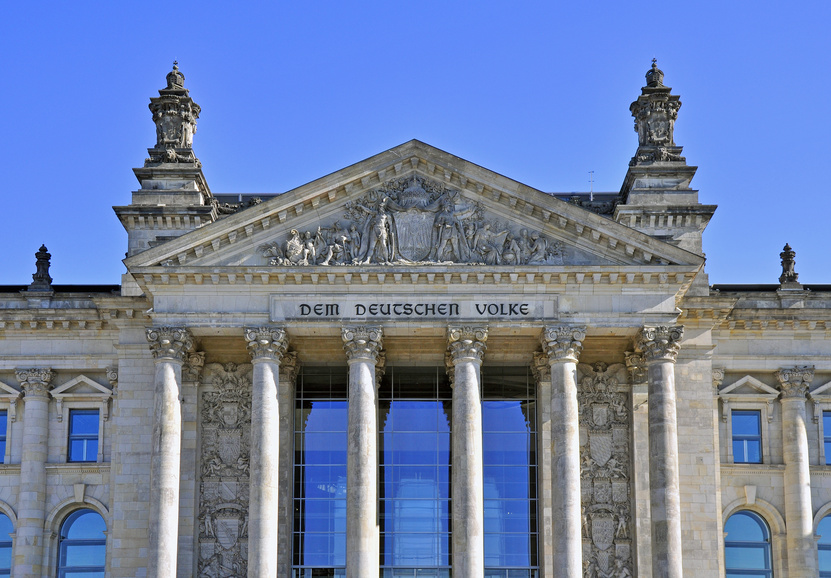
<point x="362" y="345"/>
<point x="659" y="347"/>
<point x="169" y="346"/>
<point x="28" y="553"/>
<point x="466" y="346"/>
<point x="563" y="344"/>
<point x="266" y="345"/>
<point x="289" y="368"/>
<point x="802" y="547"/>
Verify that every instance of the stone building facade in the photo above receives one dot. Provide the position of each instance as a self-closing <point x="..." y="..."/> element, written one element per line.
<point x="415" y="367"/>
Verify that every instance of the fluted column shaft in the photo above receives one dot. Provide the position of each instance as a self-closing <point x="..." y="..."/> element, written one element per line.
<point x="266" y="345"/>
<point x="169" y="346"/>
<point x="362" y="346"/>
<point x="563" y="344"/>
<point x="802" y="548"/>
<point x="32" y="499"/>
<point x="466" y="346"/>
<point x="659" y="347"/>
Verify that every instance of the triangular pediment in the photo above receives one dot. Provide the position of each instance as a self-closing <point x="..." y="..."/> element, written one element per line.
<point x="748" y="386"/>
<point x="413" y="205"/>
<point x="8" y="390"/>
<point x="823" y="390"/>
<point x="81" y="387"/>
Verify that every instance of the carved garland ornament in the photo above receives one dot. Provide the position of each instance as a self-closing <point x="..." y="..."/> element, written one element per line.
<point x="605" y="470"/>
<point x="410" y="221"/>
<point x="224" y="469"/>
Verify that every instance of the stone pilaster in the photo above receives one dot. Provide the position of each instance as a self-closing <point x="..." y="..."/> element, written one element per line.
<point x="169" y="346"/>
<point x="188" y="489"/>
<point x="28" y="555"/>
<point x="563" y="344"/>
<point x="466" y="346"/>
<point x="659" y="347"/>
<point x="289" y="368"/>
<point x="266" y="345"/>
<point x="636" y="366"/>
<point x="362" y="346"/>
<point x="802" y="547"/>
<point x="542" y="374"/>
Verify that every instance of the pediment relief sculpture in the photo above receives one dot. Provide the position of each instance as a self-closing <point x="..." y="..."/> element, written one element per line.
<point x="409" y="221"/>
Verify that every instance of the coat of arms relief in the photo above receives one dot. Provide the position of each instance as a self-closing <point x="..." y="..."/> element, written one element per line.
<point x="414" y="221"/>
<point x="605" y="470"/>
<point x="225" y="420"/>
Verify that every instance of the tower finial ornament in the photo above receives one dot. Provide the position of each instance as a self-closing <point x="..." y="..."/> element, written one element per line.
<point x="789" y="275"/>
<point x="41" y="281"/>
<point x="655" y="76"/>
<point x="175" y="115"/>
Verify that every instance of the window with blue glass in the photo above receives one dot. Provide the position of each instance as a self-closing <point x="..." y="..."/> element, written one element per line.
<point x="83" y="545"/>
<point x="83" y="435"/>
<point x="414" y="422"/>
<point x="826" y="432"/>
<point x="319" y="540"/>
<point x="747" y="546"/>
<point x="747" y="437"/>
<point x="824" y="546"/>
<point x="6" y="529"/>
<point x="4" y="422"/>
<point x="510" y="472"/>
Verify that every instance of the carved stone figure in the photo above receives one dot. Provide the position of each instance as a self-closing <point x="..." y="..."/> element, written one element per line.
<point x="379" y="236"/>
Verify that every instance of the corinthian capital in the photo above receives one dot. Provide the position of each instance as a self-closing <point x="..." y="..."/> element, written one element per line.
<point x="35" y="381"/>
<point x="169" y="342"/>
<point x="636" y="366"/>
<point x="193" y="365"/>
<point x="466" y="343"/>
<point x="266" y="343"/>
<point x="541" y="367"/>
<point x="563" y="342"/>
<point x="660" y="343"/>
<point x="289" y="367"/>
<point x="794" y="381"/>
<point x="363" y="342"/>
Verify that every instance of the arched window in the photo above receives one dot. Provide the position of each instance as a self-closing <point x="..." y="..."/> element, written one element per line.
<point x="824" y="531"/>
<point x="6" y="528"/>
<point x="747" y="546"/>
<point x="83" y="545"/>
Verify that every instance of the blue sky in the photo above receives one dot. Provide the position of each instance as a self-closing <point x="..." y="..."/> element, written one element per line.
<point x="291" y="91"/>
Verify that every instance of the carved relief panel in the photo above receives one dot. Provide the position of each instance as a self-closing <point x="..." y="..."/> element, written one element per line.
<point x="225" y="422"/>
<point x="605" y="464"/>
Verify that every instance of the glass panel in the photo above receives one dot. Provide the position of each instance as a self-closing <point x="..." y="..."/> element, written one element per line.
<point x="6" y="528"/>
<point x="746" y="423"/>
<point x="83" y="422"/>
<point x="825" y="559"/>
<point x="746" y="546"/>
<point x="6" y="557"/>
<point x="824" y="530"/>
<point x="321" y="418"/>
<point x="83" y="554"/>
<point x="84" y="525"/>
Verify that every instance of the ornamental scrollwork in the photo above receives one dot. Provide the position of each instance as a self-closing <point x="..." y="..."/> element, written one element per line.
<point x="411" y="221"/>
<point x="603" y="399"/>
<point x="225" y="422"/>
<point x="466" y="343"/>
<point x="169" y="342"/>
<point x="363" y="342"/>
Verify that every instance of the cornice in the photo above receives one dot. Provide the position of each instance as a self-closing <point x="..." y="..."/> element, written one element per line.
<point x="671" y="278"/>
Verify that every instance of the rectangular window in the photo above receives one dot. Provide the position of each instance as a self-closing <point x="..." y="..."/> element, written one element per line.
<point x="509" y="415"/>
<point x="747" y="437"/>
<point x="4" y="422"/>
<point x="83" y="435"/>
<point x="320" y="426"/>
<point x="826" y="432"/>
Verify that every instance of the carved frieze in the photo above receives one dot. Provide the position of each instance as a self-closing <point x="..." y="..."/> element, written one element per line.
<point x="409" y="221"/>
<point x="605" y="469"/>
<point x="225" y="421"/>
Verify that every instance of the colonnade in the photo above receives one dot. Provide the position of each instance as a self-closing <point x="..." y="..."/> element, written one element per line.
<point x="466" y="345"/>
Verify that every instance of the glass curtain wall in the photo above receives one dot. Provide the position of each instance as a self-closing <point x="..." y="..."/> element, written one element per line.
<point x="320" y="424"/>
<point x="414" y="421"/>
<point x="510" y="472"/>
